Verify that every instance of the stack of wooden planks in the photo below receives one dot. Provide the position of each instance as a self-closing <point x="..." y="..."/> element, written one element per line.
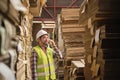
<point x="24" y="36"/>
<point x="15" y="40"/>
<point x="102" y="39"/>
<point x="9" y="18"/>
<point x="73" y="35"/>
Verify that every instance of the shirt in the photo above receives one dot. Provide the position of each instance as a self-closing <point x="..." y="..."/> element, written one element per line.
<point x="34" y="65"/>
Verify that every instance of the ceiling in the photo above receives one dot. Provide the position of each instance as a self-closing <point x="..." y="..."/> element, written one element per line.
<point x="53" y="7"/>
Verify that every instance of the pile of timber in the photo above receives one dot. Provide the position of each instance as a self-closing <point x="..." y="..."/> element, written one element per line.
<point x="102" y="39"/>
<point x="24" y="36"/>
<point x="73" y="35"/>
<point x="15" y="40"/>
<point x="9" y="18"/>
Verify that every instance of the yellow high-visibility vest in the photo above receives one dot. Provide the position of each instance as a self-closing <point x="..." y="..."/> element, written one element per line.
<point x="45" y="64"/>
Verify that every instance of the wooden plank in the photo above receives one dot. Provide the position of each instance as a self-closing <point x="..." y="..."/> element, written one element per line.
<point x="70" y="40"/>
<point x="97" y="35"/>
<point x="79" y="64"/>
<point x="71" y="18"/>
<point x="70" y="21"/>
<point x="66" y="14"/>
<point x="74" y="44"/>
<point x="74" y="58"/>
<point x="70" y="35"/>
<point x="70" y="11"/>
<point x="72" y="30"/>
<point x="95" y="50"/>
<point x="70" y="25"/>
<point x="75" y="51"/>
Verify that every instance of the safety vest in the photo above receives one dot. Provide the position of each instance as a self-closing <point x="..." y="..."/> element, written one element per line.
<point x="45" y="64"/>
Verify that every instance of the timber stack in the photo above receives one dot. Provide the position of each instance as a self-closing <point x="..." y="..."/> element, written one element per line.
<point x="73" y="35"/>
<point x="102" y="39"/>
<point x="15" y="40"/>
<point x="9" y="18"/>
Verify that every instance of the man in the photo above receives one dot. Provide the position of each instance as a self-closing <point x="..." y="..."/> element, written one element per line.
<point x="42" y="63"/>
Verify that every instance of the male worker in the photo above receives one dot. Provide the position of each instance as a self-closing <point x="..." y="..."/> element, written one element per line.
<point x="42" y="63"/>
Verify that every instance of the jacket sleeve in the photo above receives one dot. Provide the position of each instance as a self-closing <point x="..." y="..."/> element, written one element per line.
<point x="33" y="60"/>
<point x="58" y="52"/>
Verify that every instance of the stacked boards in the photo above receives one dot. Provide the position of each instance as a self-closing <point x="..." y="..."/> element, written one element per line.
<point x="73" y="35"/>
<point x="102" y="39"/>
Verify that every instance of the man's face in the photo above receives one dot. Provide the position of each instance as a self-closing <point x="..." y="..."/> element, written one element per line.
<point x="44" y="39"/>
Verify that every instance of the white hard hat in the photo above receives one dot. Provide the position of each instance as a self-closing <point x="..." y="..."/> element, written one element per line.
<point x="40" y="33"/>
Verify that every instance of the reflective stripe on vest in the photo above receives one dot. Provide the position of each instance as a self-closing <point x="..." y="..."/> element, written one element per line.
<point x="45" y="64"/>
<point x="44" y="74"/>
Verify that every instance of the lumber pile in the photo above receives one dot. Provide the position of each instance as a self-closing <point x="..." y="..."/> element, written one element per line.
<point x="24" y="48"/>
<point x="102" y="39"/>
<point x="9" y="18"/>
<point x="15" y="40"/>
<point x="73" y="35"/>
<point x="24" y="36"/>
